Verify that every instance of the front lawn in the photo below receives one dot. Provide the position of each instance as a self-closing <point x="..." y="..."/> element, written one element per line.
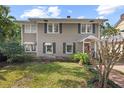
<point x="40" y="75"/>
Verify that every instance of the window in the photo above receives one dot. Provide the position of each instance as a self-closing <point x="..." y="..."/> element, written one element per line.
<point x="121" y="30"/>
<point x="27" y="28"/>
<point x="53" y="28"/>
<point x="69" y="49"/>
<point x="30" y="28"/>
<point x="83" y="29"/>
<point x="89" y="28"/>
<point x="50" y="27"/>
<point x="56" y="26"/>
<point x="49" y="48"/>
<point x="27" y="48"/>
<point x="33" y="47"/>
<point x="86" y="28"/>
<point x="30" y="47"/>
<point x="33" y="27"/>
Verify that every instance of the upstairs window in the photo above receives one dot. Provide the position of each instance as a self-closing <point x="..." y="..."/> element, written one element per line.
<point x="27" y="28"/>
<point x="53" y="28"/>
<point x="30" y="28"/>
<point x="86" y="28"/>
<point x="33" y="28"/>
<point x="89" y="28"/>
<point x="83" y="28"/>
<point x="50" y="28"/>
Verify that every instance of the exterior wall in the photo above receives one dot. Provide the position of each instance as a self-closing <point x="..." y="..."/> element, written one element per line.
<point x="29" y="37"/>
<point x="69" y="35"/>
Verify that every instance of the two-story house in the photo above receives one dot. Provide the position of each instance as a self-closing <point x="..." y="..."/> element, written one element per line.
<point x="59" y="37"/>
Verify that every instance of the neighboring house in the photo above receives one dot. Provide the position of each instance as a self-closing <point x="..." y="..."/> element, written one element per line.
<point x="120" y="25"/>
<point x="53" y="37"/>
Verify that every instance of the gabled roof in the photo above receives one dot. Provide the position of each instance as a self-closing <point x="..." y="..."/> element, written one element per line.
<point x="92" y="37"/>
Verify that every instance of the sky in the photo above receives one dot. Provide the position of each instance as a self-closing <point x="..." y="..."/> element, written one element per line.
<point x="110" y="12"/>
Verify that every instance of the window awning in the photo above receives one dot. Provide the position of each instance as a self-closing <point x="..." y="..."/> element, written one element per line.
<point x="92" y="37"/>
<point x="48" y="44"/>
<point x="29" y="42"/>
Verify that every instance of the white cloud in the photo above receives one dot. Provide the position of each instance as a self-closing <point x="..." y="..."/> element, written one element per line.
<point x="80" y="17"/>
<point x="100" y="17"/>
<point x="54" y="11"/>
<point x="107" y="9"/>
<point x="70" y="11"/>
<point x="42" y="11"/>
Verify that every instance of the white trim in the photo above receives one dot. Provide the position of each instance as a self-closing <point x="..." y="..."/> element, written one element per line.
<point x="37" y="39"/>
<point x="29" y="42"/>
<point x="99" y="31"/>
<point x="22" y="32"/>
<point x="95" y="47"/>
<point x="48" y="44"/>
<point x="92" y="37"/>
<point x="66" y="49"/>
<point x="53" y="32"/>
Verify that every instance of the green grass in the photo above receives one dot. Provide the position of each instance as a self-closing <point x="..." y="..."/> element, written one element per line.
<point x="39" y="75"/>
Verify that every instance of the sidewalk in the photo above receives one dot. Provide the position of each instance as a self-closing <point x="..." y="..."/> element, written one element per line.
<point x="117" y="77"/>
<point x="119" y="68"/>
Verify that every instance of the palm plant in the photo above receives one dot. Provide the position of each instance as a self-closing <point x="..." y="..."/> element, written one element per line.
<point x="82" y="57"/>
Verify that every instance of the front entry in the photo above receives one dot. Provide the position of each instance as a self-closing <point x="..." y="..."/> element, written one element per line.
<point x="87" y="47"/>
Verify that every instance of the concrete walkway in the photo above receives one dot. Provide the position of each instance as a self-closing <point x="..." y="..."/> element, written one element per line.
<point x="117" y="77"/>
<point x="119" y="68"/>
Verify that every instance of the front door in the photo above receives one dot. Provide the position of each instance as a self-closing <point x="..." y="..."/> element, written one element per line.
<point x="87" y="47"/>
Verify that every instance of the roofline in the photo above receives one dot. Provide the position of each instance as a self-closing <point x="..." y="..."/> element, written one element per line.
<point x="69" y="19"/>
<point x="65" y="19"/>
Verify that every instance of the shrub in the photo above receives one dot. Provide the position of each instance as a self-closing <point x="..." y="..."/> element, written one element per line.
<point x="21" y="58"/>
<point x="83" y="58"/>
<point x="14" y="52"/>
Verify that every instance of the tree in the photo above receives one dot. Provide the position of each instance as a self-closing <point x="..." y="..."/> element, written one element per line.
<point x="108" y="55"/>
<point x="109" y="52"/>
<point x="8" y="27"/>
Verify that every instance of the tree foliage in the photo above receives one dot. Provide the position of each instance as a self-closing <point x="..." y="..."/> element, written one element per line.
<point x="9" y="29"/>
<point x="108" y="30"/>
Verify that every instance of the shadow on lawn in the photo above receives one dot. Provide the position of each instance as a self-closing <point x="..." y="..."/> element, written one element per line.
<point x="2" y="78"/>
<point x="67" y="83"/>
<point x="56" y="67"/>
<point x="49" y="68"/>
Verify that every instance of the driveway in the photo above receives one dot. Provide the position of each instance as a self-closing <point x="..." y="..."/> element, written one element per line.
<point x="116" y="76"/>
